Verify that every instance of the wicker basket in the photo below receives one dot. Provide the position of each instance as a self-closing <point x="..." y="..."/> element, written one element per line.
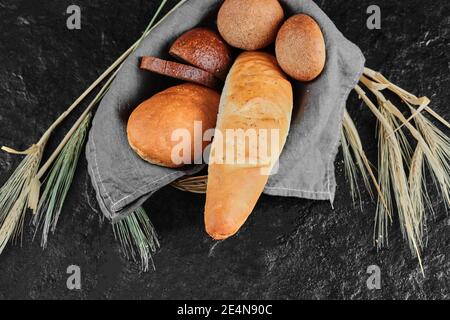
<point x="191" y="184"/>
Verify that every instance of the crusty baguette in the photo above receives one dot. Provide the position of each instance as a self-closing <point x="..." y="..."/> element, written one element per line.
<point x="256" y="95"/>
<point x="179" y="71"/>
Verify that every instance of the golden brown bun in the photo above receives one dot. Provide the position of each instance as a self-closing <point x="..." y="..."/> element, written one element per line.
<point x="300" y="48"/>
<point x="205" y="49"/>
<point x="179" y="71"/>
<point x="257" y="95"/>
<point x="152" y="123"/>
<point x="250" y="25"/>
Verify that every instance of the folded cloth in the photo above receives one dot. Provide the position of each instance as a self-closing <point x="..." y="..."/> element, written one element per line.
<point x="123" y="181"/>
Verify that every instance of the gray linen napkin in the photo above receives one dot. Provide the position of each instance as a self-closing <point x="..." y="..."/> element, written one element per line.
<point x="123" y="181"/>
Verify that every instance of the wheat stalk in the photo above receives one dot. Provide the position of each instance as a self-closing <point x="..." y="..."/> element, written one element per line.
<point x="393" y="176"/>
<point x="357" y="159"/>
<point x="350" y="169"/>
<point x="58" y="182"/>
<point x="434" y="143"/>
<point x="433" y="146"/>
<point x="417" y="188"/>
<point x="137" y="236"/>
<point x="60" y="177"/>
<point x="14" y="198"/>
<point x="23" y="187"/>
<point x="382" y="83"/>
<point x="439" y="146"/>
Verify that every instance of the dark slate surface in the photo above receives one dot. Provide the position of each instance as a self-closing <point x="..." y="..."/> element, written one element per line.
<point x="289" y="249"/>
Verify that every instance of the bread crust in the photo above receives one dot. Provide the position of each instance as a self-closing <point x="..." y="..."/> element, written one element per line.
<point x="250" y="25"/>
<point x="152" y="123"/>
<point x="257" y="95"/>
<point x="204" y="49"/>
<point x="179" y="71"/>
<point x="300" y="48"/>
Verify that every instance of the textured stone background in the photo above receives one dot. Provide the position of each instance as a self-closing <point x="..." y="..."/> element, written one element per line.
<point x="290" y="248"/>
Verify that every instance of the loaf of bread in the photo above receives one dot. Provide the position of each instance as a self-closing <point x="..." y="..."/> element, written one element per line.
<point x="204" y="49"/>
<point x="151" y="125"/>
<point x="249" y="24"/>
<point x="300" y="48"/>
<point x="257" y="96"/>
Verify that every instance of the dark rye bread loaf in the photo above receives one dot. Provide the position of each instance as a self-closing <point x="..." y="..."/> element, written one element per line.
<point x="204" y="49"/>
<point x="179" y="71"/>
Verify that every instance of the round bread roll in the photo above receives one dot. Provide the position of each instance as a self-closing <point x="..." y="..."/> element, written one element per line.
<point x="152" y="123"/>
<point x="250" y="25"/>
<point x="205" y="49"/>
<point x="300" y="48"/>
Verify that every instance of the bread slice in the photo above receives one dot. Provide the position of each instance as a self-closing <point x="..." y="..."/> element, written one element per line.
<point x="256" y="96"/>
<point x="179" y="71"/>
